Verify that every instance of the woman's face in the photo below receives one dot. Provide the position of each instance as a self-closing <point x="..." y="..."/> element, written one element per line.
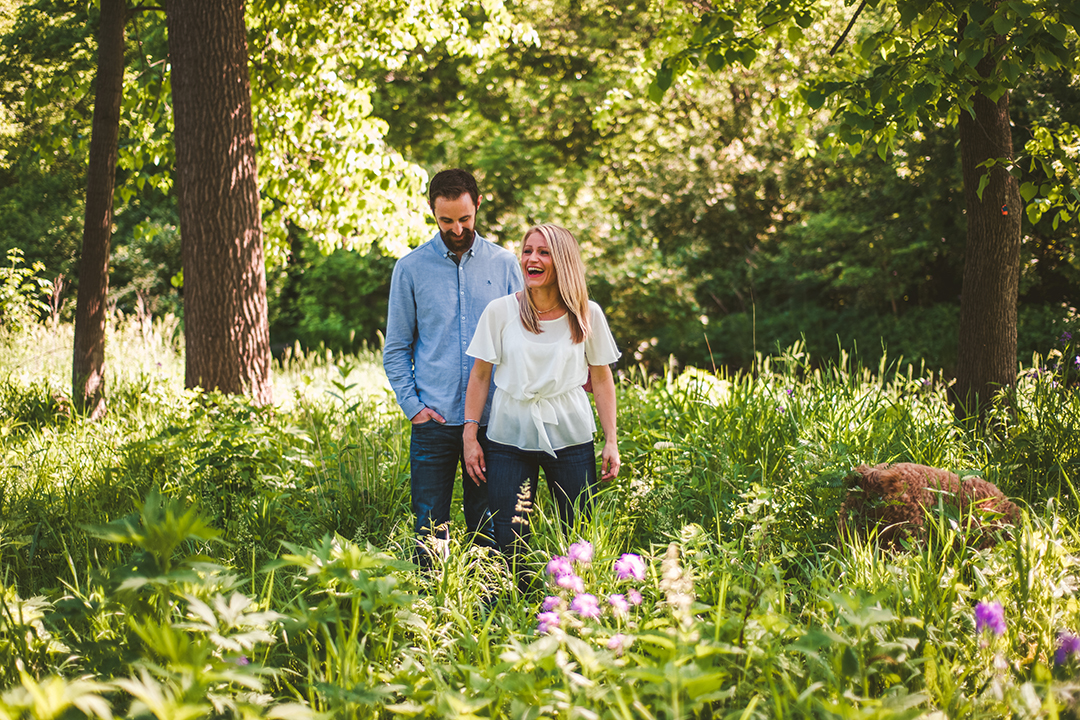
<point x="537" y="266"/>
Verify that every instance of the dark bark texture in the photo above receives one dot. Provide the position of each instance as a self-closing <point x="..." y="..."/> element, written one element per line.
<point x="986" y="361"/>
<point x="88" y="359"/>
<point x="225" y="316"/>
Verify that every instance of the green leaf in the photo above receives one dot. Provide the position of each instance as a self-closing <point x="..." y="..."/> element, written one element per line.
<point x="1072" y="17"/>
<point x="1003" y="24"/>
<point x="794" y="34"/>
<point x="978" y="11"/>
<point x="983" y="182"/>
<point x="716" y="60"/>
<point x="664" y="77"/>
<point x="1058" y="31"/>
<point x="1028" y="191"/>
<point x="883" y="150"/>
<point x="1034" y="212"/>
<point x="656" y="93"/>
<point x="1011" y="71"/>
<point x="993" y="90"/>
<point x="922" y="93"/>
<point x="814" y="98"/>
<point x="849" y="662"/>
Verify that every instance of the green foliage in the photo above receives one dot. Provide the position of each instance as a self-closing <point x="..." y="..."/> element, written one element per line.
<point x="910" y="66"/>
<point x="21" y="293"/>
<point x="337" y="301"/>
<point x="142" y="266"/>
<point x="188" y="555"/>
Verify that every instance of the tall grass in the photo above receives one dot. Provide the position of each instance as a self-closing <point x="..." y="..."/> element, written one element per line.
<point x="191" y="555"/>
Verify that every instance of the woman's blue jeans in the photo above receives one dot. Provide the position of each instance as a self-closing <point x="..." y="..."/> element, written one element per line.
<point x="435" y="453"/>
<point x="512" y="479"/>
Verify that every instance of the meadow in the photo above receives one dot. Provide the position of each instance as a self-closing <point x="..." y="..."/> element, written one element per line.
<point x="194" y="556"/>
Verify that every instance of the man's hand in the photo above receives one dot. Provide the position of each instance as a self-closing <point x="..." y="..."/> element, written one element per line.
<point x="428" y="414"/>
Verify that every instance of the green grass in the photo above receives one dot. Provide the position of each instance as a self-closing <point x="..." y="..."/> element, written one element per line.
<point x="193" y="556"/>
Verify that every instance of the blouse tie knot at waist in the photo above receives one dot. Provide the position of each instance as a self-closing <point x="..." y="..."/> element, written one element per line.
<point x="543" y="414"/>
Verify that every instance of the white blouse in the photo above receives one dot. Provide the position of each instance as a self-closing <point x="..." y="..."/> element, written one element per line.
<point x="539" y="402"/>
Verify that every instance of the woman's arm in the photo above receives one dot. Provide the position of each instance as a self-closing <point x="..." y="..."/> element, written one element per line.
<point x="475" y="398"/>
<point x="603" y="387"/>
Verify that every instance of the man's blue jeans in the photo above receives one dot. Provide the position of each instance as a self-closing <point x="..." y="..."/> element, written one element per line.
<point x="513" y="476"/>
<point x="435" y="453"/>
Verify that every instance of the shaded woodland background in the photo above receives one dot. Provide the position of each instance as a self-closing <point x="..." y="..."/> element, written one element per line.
<point x="715" y="223"/>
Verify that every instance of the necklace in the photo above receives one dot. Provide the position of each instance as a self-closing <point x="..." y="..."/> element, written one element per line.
<point x="543" y="312"/>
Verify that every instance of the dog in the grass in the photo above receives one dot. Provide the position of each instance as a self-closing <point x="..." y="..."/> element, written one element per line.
<point x="895" y="499"/>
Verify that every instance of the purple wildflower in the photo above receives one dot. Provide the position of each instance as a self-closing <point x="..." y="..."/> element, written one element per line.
<point x="630" y="566"/>
<point x="551" y="602"/>
<point x="547" y="621"/>
<point x="1068" y="644"/>
<point x="1065" y="338"/>
<point x="559" y="566"/>
<point x="790" y="392"/>
<point x="633" y="596"/>
<point x="243" y="660"/>
<point x="581" y="552"/>
<point x="585" y="605"/>
<point x="619" y="604"/>
<point x="571" y="582"/>
<point x="1076" y="361"/>
<point x="618" y="643"/>
<point x="990" y="616"/>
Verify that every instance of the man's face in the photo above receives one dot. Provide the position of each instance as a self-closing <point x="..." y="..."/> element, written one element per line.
<point x="457" y="221"/>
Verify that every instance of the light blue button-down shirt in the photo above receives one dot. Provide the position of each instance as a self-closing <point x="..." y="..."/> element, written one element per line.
<point x="435" y="304"/>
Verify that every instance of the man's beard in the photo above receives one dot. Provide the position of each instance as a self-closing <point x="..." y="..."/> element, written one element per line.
<point x="458" y="244"/>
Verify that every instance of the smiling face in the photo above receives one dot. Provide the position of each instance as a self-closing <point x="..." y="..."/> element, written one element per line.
<point x="457" y="221"/>
<point x="537" y="265"/>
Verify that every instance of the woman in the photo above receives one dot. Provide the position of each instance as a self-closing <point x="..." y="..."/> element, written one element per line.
<point x="545" y="343"/>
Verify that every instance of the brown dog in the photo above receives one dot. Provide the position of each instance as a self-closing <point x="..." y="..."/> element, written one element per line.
<point x="895" y="499"/>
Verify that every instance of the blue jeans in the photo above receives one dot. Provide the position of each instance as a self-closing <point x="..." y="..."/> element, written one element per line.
<point x="513" y="476"/>
<point x="435" y="453"/>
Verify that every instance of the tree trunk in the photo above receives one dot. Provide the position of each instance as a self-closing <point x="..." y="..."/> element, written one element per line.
<point x="986" y="361"/>
<point x="88" y="358"/>
<point x="225" y="316"/>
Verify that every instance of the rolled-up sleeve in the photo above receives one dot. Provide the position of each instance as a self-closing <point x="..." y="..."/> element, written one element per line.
<point x="399" y="348"/>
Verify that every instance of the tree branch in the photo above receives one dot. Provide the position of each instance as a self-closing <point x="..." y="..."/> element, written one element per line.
<point x="843" y="35"/>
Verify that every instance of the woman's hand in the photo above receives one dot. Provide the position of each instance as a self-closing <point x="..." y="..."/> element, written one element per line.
<point x="609" y="461"/>
<point x="474" y="456"/>
<point x="475" y="396"/>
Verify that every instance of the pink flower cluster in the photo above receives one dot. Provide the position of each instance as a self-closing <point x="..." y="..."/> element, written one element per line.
<point x="562" y="569"/>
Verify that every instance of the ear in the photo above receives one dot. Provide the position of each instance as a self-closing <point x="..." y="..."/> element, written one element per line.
<point x="479" y="199"/>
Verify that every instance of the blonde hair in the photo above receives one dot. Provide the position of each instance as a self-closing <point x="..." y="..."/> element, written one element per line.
<point x="569" y="279"/>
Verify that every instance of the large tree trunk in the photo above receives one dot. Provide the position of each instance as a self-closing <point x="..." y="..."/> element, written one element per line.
<point x="986" y="361"/>
<point x="88" y="359"/>
<point x="225" y="317"/>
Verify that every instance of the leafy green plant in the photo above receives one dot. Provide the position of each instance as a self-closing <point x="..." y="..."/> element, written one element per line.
<point x="21" y="293"/>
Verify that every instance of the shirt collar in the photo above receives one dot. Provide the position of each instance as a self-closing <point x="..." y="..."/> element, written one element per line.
<point x="448" y="253"/>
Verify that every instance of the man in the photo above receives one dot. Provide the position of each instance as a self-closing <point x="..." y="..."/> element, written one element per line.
<point x="437" y="294"/>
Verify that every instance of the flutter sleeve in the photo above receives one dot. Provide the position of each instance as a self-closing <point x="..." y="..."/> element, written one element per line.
<point x="486" y="344"/>
<point x="600" y="348"/>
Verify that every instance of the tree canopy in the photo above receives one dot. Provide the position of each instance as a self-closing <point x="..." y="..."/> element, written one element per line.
<point x="720" y="217"/>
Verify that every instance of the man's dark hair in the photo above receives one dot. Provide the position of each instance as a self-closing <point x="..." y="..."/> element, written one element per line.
<point x="452" y="184"/>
